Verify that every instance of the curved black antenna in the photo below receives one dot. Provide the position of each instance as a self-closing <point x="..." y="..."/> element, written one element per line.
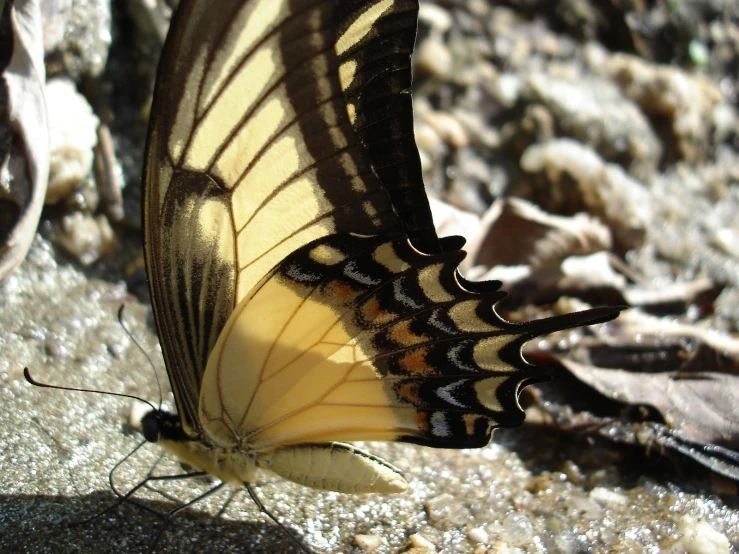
<point x="141" y="349"/>
<point x="32" y="381"/>
<point x="269" y="514"/>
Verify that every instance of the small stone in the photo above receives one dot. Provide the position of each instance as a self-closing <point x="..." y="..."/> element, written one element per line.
<point x="72" y="136"/>
<point x="573" y="472"/>
<point x="587" y="508"/>
<point x="434" y="58"/>
<point x="727" y="239"/>
<point x="448" y="128"/>
<point x="435" y="17"/>
<point x="698" y="537"/>
<point x="368" y="543"/>
<point x="517" y="529"/>
<point x="85" y="237"/>
<point x="421" y="542"/>
<point x="447" y="508"/>
<point x="605" y="497"/>
<point x="478" y="535"/>
<point x="581" y="180"/>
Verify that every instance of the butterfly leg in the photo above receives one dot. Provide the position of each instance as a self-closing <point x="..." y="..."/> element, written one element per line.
<point x="170" y="515"/>
<point x="265" y="511"/>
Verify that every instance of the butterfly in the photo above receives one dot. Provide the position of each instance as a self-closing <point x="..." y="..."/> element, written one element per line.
<point x="301" y="294"/>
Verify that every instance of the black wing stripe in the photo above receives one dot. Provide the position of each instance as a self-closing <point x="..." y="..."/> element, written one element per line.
<point x="382" y="59"/>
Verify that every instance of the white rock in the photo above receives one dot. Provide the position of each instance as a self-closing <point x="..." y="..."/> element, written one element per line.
<point x="421" y="542"/>
<point x="448" y="128"/>
<point x="72" y="134"/>
<point x="435" y="17"/>
<point x="433" y="57"/>
<point x="478" y="535"/>
<point x="85" y="237"/>
<point x="368" y="543"/>
<point x="605" y="497"/>
<point x="698" y="537"/>
<point x="517" y="529"/>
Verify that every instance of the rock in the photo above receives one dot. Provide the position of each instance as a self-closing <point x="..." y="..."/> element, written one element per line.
<point x="436" y="17"/>
<point x="668" y="93"/>
<point x="578" y="179"/>
<point x="698" y="537"/>
<point x="72" y="134"/>
<point x="434" y="58"/>
<point x="595" y="112"/>
<point x="80" y="35"/>
<point x="368" y="543"/>
<point x="85" y="237"/>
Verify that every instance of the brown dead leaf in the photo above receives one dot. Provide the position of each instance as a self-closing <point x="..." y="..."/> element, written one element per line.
<point x="516" y="232"/>
<point x="703" y="407"/>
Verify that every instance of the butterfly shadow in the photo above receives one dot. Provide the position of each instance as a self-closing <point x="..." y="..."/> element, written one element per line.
<point x="45" y="523"/>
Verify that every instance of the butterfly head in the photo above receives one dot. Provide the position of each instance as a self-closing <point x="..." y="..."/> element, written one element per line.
<point x="158" y="425"/>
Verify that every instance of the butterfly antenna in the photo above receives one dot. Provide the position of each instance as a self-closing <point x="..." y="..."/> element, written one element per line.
<point x="269" y="514"/>
<point x="32" y="381"/>
<point x="141" y="349"/>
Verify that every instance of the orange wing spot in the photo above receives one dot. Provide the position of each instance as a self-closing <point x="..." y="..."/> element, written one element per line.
<point x="339" y="294"/>
<point x="408" y="392"/>
<point x="401" y="334"/>
<point x="374" y="314"/>
<point x="422" y="421"/>
<point x="414" y="363"/>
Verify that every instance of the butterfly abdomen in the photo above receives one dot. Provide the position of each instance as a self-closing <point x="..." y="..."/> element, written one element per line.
<point x="335" y="467"/>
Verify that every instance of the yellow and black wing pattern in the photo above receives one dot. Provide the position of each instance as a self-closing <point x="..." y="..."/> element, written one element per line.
<point x="374" y="50"/>
<point x="367" y="338"/>
<point x="300" y="292"/>
<point x="252" y="153"/>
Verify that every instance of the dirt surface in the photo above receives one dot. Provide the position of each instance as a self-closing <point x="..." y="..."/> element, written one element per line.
<point x="644" y="95"/>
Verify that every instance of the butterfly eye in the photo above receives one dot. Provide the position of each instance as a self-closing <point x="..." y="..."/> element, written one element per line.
<point x="151" y="426"/>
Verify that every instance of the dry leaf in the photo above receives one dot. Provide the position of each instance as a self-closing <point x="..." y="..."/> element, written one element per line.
<point x="25" y="170"/>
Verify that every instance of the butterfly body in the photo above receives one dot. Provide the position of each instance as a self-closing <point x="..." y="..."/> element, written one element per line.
<point x="330" y="466"/>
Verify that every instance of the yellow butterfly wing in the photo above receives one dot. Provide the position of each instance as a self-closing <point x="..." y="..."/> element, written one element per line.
<point x="271" y="127"/>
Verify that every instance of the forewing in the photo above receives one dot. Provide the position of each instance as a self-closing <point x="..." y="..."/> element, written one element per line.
<point x="374" y="43"/>
<point x="366" y="338"/>
<point x="252" y="154"/>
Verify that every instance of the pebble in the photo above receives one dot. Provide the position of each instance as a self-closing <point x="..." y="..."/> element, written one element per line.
<point x="478" y="535"/>
<point x="582" y="181"/>
<point x="698" y="537"/>
<point x="72" y="136"/>
<point x="606" y="497"/>
<point x="421" y="542"/>
<point x="436" y="17"/>
<point x="434" y="58"/>
<point x="687" y="101"/>
<point x="368" y="543"/>
<point x="517" y="529"/>
<point x="85" y="237"/>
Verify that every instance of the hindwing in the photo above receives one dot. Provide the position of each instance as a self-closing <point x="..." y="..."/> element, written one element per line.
<point x="367" y="338"/>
